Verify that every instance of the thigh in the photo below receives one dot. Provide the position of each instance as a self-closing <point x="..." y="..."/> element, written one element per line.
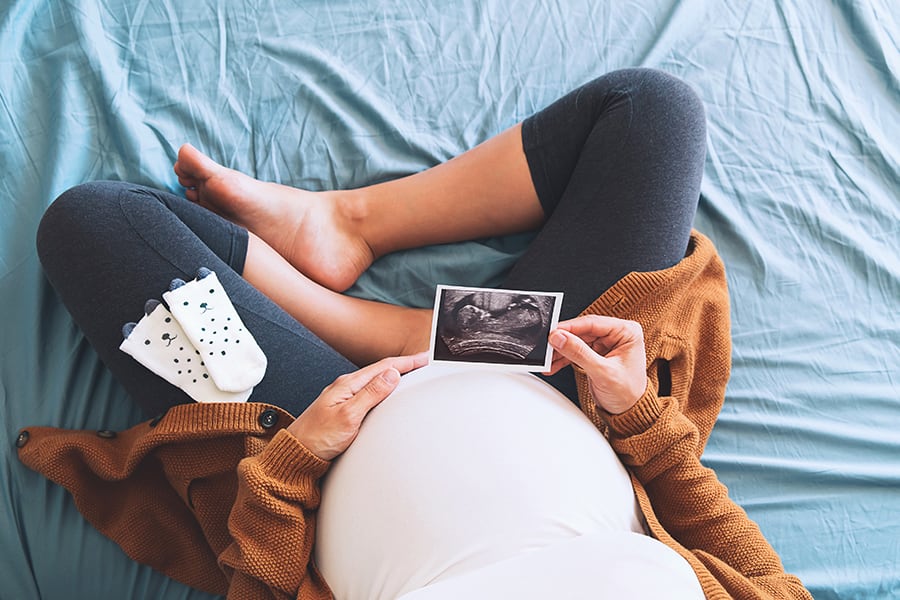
<point x="617" y="166"/>
<point x="109" y="247"/>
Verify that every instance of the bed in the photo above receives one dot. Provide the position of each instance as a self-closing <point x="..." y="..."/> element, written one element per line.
<point x="801" y="195"/>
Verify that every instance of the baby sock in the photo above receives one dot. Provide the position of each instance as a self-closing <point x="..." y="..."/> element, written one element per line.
<point x="159" y="343"/>
<point x="202" y="308"/>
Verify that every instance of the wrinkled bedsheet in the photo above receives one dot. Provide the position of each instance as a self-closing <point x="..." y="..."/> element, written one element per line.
<point x="801" y="194"/>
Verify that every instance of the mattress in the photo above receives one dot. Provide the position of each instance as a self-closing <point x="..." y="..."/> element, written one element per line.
<point x="800" y="195"/>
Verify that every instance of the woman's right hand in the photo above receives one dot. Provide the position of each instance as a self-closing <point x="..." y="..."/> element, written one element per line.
<point x="611" y="353"/>
<point x="332" y="421"/>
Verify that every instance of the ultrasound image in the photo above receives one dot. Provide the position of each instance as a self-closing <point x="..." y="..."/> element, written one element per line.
<point x="492" y="326"/>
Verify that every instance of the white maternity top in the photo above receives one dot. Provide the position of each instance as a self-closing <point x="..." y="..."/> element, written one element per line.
<point x="463" y="482"/>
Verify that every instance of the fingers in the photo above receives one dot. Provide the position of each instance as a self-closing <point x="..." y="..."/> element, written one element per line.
<point x="377" y="389"/>
<point x="583" y="339"/>
<point x="599" y="334"/>
<point x="558" y="362"/>
<point x="357" y="380"/>
<point x="332" y="422"/>
<point x="572" y="349"/>
<point x="611" y="352"/>
<point x="610" y="331"/>
<point x="381" y="378"/>
<point x="411" y="362"/>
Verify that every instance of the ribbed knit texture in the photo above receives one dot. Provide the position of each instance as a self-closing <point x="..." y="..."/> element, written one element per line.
<point x="215" y="500"/>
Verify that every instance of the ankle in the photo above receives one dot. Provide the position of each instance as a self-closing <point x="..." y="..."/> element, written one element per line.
<point x="355" y="212"/>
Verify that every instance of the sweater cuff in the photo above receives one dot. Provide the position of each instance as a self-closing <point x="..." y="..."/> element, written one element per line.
<point x="287" y="460"/>
<point x="637" y="419"/>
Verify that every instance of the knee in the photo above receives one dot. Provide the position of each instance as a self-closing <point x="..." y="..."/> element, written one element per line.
<point x="666" y="110"/>
<point x="657" y="99"/>
<point x="72" y="216"/>
<point x="675" y="94"/>
<point x="660" y="93"/>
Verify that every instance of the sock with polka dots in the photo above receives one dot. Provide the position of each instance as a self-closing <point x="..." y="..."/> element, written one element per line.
<point x="208" y="318"/>
<point x="159" y="343"/>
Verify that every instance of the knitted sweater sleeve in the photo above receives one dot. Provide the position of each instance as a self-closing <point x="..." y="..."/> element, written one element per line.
<point x="717" y="537"/>
<point x="273" y="524"/>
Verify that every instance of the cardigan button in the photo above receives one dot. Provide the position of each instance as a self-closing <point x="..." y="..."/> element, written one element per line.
<point x="106" y="434"/>
<point x="268" y="418"/>
<point x="22" y="439"/>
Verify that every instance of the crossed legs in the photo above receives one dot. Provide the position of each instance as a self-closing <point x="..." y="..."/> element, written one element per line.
<point x="304" y="246"/>
<point x="610" y="174"/>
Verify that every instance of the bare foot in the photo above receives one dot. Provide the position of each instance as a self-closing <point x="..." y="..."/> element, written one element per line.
<point x="312" y="230"/>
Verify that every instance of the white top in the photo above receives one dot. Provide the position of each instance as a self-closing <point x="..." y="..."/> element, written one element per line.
<point x="459" y="470"/>
<point x="604" y="564"/>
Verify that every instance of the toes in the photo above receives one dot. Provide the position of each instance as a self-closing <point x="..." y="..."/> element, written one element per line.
<point x="192" y="162"/>
<point x="189" y="164"/>
<point x="187" y="181"/>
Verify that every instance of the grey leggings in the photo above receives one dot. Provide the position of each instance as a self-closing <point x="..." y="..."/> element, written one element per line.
<point x="616" y="163"/>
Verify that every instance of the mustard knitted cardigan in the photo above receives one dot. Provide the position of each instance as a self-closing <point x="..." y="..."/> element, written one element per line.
<point x="219" y="497"/>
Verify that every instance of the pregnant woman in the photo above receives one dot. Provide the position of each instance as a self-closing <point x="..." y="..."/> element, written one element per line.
<point x="585" y="482"/>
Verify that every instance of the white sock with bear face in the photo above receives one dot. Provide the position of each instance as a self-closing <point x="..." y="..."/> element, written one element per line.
<point x="208" y="318"/>
<point x="159" y="343"/>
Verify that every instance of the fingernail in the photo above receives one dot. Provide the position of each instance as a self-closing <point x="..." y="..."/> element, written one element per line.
<point x="557" y="339"/>
<point x="391" y="376"/>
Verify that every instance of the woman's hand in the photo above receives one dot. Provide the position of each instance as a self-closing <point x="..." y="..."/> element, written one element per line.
<point x="332" y="421"/>
<point x="610" y="351"/>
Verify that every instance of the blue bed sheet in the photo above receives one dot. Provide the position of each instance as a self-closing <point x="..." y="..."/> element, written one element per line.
<point x="801" y="194"/>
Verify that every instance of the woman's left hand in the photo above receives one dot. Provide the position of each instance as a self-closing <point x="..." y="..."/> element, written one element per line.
<point x="332" y="421"/>
<point x="611" y="353"/>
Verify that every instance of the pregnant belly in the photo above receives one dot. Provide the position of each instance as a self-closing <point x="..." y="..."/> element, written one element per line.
<point x="459" y="469"/>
